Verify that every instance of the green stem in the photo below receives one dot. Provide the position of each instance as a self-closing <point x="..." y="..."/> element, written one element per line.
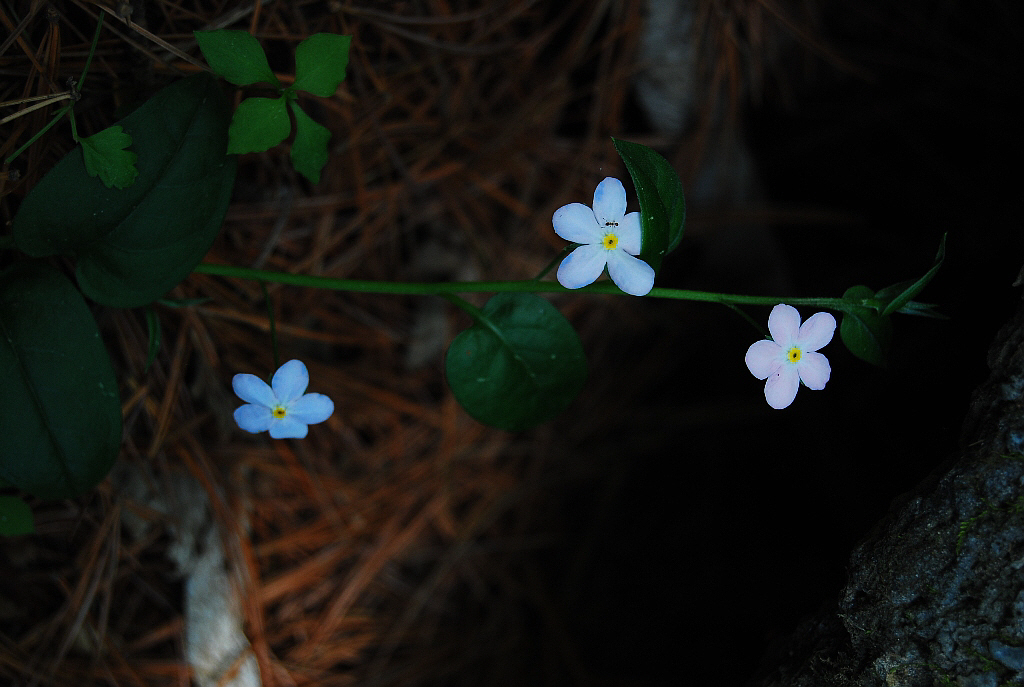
<point x="551" y="265"/>
<point x="445" y="289"/>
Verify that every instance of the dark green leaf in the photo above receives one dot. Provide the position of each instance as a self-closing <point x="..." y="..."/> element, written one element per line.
<point x="662" y="205"/>
<point x="900" y="294"/>
<point x="320" y="63"/>
<point x="259" y="124"/>
<point x="237" y="56"/>
<point x="309" y="149"/>
<point x="15" y="517"/>
<point x="60" y="429"/>
<point x="134" y="245"/>
<point x="105" y="155"/>
<point x="519" y="366"/>
<point x="867" y="334"/>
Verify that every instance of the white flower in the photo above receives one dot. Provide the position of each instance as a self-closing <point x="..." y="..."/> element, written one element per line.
<point x="608" y="237"/>
<point x="280" y="407"/>
<point x="791" y="357"/>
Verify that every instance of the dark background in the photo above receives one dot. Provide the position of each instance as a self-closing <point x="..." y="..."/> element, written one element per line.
<point x="717" y="523"/>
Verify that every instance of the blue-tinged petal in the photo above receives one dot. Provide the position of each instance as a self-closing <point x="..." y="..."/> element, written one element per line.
<point x="254" y="418"/>
<point x="763" y="357"/>
<point x="290" y="381"/>
<point x="814" y="370"/>
<point x="781" y="387"/>
<point x="576" y="222"/>
<point x="582" y="266"/>
<point x="252" y="389"/>
<point x="817" y="331"/>
<point x="630" y="236"/>
<point x="311" y="409"/>
<point x="288" y="427"/>
<point x="632" y="275"/>
<point x="609" y="201"/>
<point x="783" y="324"/>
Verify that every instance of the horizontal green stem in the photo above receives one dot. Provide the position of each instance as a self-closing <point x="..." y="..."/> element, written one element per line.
<point x="412" y="288"/>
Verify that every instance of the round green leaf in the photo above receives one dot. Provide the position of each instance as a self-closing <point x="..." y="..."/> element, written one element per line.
<point x="320" y="63"/>
<point x="259" y="124"/>
<point x="133" y="245"/>
<point x="867" y="334"/>
<point x="519" y="365"/>
<point x="60" y="429"/>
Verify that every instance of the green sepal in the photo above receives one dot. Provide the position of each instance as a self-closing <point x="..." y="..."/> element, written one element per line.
<point x="320" y="62"/>
<point x="258" y="124"/>
<point x="520" y="364"/>
<point x="237" y="56"/>
<point x="662" y="205"/>
<point x="866" y="333"/>
<point x="60" y="429"/>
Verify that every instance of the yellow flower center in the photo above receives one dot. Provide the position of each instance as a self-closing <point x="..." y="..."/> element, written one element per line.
<point x="280" y="412"/>
<point x="794" y="355"/>
<point x="610" y="241"/>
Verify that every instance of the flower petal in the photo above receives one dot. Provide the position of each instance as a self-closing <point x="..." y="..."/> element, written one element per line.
<point x="252" y="389"/>
<point x="814" y="370"/>
<point x="290" y="381"/>
<point x="288" y="427"/>
<point x="576" y="222"/>
<point x="632" y="275"/>
<point x="630" y="236"/>
<point x="817" y="331"/>
<point x="582" y="266"/>
<point x="311" y="409"/>
<point x="609" y="201"/>
<point x="254" y="418"/>
<point x="784" y="324"/>
<point x="781" y="387"/>
<point x="762" y="358"/>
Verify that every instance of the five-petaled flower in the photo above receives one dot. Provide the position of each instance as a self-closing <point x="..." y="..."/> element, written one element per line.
<point x="607" y="236"/>
<point x="281" y="406"/>
<point x="792" y="356"/>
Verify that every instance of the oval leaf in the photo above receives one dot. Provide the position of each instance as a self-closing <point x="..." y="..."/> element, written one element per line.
<point x="519" y="365"/>
<point x="237" y="56"/>
<point x="662" y="205"/>
<point x="320" y="63"/>
<point x="60" y="429"/>
<point x="866" y="333"/>
<point x="133" y="245"/>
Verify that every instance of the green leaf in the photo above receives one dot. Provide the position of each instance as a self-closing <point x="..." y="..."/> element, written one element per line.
<point x="237" y="56"/>
<point x="15" y="517"/>
<point x="105" y="155"/>
<point x="662" y="205"/>
<point x="133" y="245"/>
<point x="519" y="365"/>
<point x="259" y="124"/>
<point x="898" y="295"/>
<point x="309" y="149"/>
<point x="60" y="429"/>
<point x="320" y="63"/>
<point x="867" y="334"/>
